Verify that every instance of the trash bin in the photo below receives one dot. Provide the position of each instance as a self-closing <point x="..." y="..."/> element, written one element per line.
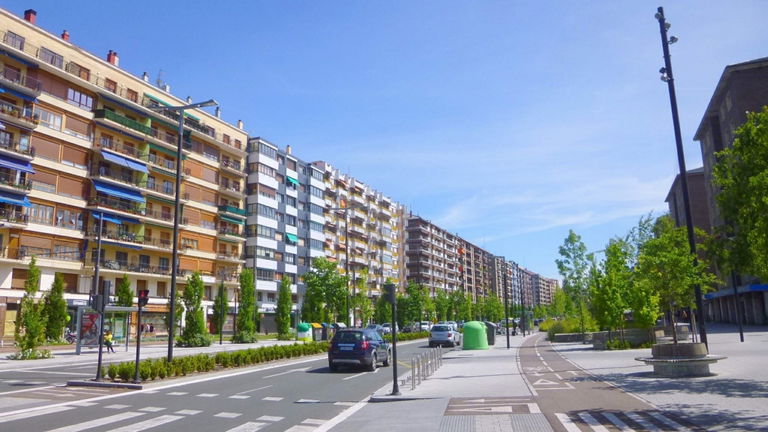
<point x="491" y="332"/>
<point x="475" y="336"/>
<point x="304" y="332"/>
<point x="317" y="332"/>
<point x="324" y="332"/>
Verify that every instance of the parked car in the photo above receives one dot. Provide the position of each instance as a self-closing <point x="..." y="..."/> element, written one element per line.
<point x="376" y="327"/>
<point x="425" y="326"/>
<point x="453" y="324"/>
<point x="387" y="328"/>
<point x="443" y="334"/>
<point x="358" y="347"/>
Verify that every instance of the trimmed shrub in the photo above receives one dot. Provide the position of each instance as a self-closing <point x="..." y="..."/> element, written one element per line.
<point x="112" y="371"/>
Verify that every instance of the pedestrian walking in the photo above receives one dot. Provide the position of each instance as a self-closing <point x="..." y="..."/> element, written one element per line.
<point x="108" y="341"/>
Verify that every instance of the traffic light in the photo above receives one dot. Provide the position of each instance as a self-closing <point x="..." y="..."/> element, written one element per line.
<point x="143" y="297"/>
<point x="390" y="292"/>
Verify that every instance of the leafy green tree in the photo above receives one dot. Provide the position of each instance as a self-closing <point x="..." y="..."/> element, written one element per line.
<point x="55" y="310"/>
<point x="364" y="306"/>
<point x="493" y="308"/>
<point x="642" y="299"/>
<point x="383" y="311"/>
<point x="30" y="323"/>
<point x="465" y="306"/>
<point x="479" y="308"/>
<point x="417" y="299"/>
<point x="178" y="310"/>
<point x="246" y="312"/>
<point x="666" y="265"/>
<point x="574" y="268"/>
<point x="195" y="333"/>
<point x="612" y="285"/>
<point x="441" y="305"/>
<point x="561" y="306"/>
<point x="327" y="291"/>
<point x="741" y="173"/>
<point x="403" y="308"/>
<point x="283" y="313"/>
<point x="124" y="292"/>
<point x="220" y="309"/>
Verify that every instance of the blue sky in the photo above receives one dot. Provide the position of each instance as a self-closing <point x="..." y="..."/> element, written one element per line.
<point x="506" y="122"/>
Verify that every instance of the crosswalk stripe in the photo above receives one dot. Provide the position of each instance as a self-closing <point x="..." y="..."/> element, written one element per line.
<point x="642" y="422"/>
<point x="98" y="422"/>
<point x="176" y="393"/>
<point x="152" y="409"/>
<point x="208" y="395"/>
<point x="188" y="412"/>
<point x="273" y="398"/>
<point x="270" y="418"/>
<point x="617" y="422"/>
<point x="567" y="423"/>
<point x="37" y="413"/>
<point x="239" y="397"/>
<point x="227" y="415"/>
<point x="248" y="427"/>
<point x="300" y="428"/>
<point x="307" y="401"/>
<point x="669" y="422"/>
<point x="146" y="424"/>
<point x="312" y="421"/>
<point x="117" y="406"/>
<point x="592" y="422"/>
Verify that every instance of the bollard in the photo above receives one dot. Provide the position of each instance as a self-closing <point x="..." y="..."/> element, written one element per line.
<point x="413" y="373"/>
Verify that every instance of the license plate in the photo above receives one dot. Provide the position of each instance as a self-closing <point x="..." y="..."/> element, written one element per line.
<point x="345" y="348"/>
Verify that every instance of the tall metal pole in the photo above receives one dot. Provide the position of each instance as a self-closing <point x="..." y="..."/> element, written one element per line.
<point x="681" y="162"/>
<point x="395" y="386"/>
<point x="95" y="289"/>
<point x="175" y="254"/>
<point x="737" y="303"/>
<point x="137" y="364"/>
<point x="346" y="256"/>
<point x="506" y="301"/>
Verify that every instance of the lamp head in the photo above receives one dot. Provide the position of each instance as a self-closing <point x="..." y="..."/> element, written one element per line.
<point x="673" y="39"/>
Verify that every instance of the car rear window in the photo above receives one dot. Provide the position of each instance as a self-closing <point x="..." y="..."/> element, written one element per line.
<point x="349" y="337"/>
<point x="440" y="328"/>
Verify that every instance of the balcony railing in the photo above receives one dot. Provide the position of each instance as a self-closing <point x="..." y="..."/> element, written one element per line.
<point x="125" y="121"/>
<point x="232" y="209"/>
<point x="123" y="149"/>
<point x="13" y="216"/>
<point x="117" y="205"/>
<point x="10" y="180"/>
<point x="136" y="267"/>
<point x="26" y="251"/>
<point x="162" y="162"/>
<point x="13" y="113"/>
<point x="16" y="147"/>
<point x="231" y="164"/>
<point x="231" y="232"/>
<point x="16" y="77"/>
<point x="224" y="256"/>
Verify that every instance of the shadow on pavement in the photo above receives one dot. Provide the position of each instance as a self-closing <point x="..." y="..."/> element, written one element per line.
<point x="728" y="387"/>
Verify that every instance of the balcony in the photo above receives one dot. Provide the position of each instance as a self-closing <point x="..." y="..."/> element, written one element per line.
<point x="19" y="82"/>
<point x="121" y="236"/>
<point x="122" y="120"/>
<point x="27" y="252"/>
<point x="232" y="232"/>
<point x="116" y="204"/>
<point x="232" y="166"/>
<point x="162" y="163"/>
<point x="13" y="216"/>
<point x="17" y="149"/>
<point x="230" y="257"/>
<point x="122" y="149"/>
<point x="20" y="117"/>
<point x="10" y="183"/>
<point x="231" y="189"/>
<point x="232" y="210"/>
<point x="135" y="267"/>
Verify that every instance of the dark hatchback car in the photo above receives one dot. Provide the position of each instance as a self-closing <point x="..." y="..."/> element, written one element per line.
<point x="358" y="347"/>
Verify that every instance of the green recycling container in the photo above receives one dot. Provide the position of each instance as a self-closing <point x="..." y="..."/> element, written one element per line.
<point x="303" y="332"/>
<point x="474" y="336"/>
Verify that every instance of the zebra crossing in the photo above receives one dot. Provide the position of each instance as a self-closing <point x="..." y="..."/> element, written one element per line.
<point x="604" y="421"/>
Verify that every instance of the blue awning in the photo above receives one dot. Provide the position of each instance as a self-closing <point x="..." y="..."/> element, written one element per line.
<point x="4" y="89"/>
<point x="117" y="219"/>
<point x="118" y="192"/>
<point x="118" y="244"/>
<point x="123" y="161"/>
<point x="15" y="199"/>
<point x="16" y="164"/>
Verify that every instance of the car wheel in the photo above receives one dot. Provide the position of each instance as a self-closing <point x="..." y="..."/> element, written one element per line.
<point x="374" y="363"/>
<point x="333" y="367"/>
<point x="389" y="356"/>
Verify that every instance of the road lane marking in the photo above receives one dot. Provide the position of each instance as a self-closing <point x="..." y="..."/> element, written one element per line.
<point x="558" y="376"/>
<point x="239" y="397"/>
<point x="272" y="398"/>
<point x="152" y="409"/>
<point x="354" y="376"/>
<point x="188" y="412"/>
<point x="98" y="422"/>
<point x="84" y="404"/>
<point x="592" y="422"/>
<point x="344" y="403"/>
<point x="270" y="418"/>
<point x="300" y="428"/>
<point x="53" y="410"/>
<point x="567" y="423"/>
<point x="253" y="390"/>
<point x="642" y="422"/>
<point x="207" y="395"/>
<point x="617" y="422"/>
<point x="26" y="390"/>
<point x="307" y="401"/>
<point x="248" y="427"/>
<point x="177" y="393"/>
<point x="669" y="422"/>
<point x="543" y="381"/>
<point x="117" y="406"/>
<point x="227" y="414"/>
<point x="147" y="424"/>
<point x="313" y="421"/>
<point x="286" y="372"/>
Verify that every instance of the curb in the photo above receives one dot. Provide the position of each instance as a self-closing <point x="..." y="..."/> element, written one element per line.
<point x="88" y="383"/>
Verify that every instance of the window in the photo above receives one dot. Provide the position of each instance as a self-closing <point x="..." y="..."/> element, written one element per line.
<point x="49" y="119"/>
<point x="70" y="219"/>
<point x="265" y="231"/>
<point x="267" y="151"/>
<point x="132" y="95"/>
<point x="161" y="289"/>
<point x="121" y="258"/>
<point x="79" y="99"/>
<point x="110" y="85"/>
<point x="262" y="252"/>
<point x="290" y="164"/>
<point x="66" y="252"/>
<point x="77" y="70"/>
<point x="267" y="211"/>
<point x="315" y="244"/>
<point x="271" y="297"/>
<point x="290" y="220"/>
<point x="317" y="175"/>
<point x="42" y="214"/>
<point x="14" y="40"/>
<point x="289" y="258"/>
<point x="315" y="226"/>
<point x="316" y="192"/>
<point x="267" y="170"/>
<point x="316" y="209"/>
<point x="291" y="201"/>
<point x="164" y="265"/>
<point x="51" y="57"/>
<point x="265" y="275"/>
<point x="189" y="243"/>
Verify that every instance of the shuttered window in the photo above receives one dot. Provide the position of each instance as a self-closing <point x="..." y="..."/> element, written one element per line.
<point x="72" y="187"/>
<point x="79" y="127"/>
<point x="209" y="174"/>
<point x="191" y="216"/>
<point x="46" y="148"/>
<point x="75" y="157"/>
<point x="208" y="196"/>
<point x="44" y="181"/>
<point x="36" y="242"/>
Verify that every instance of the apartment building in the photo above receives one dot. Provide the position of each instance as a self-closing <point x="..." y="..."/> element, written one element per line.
<point x="85" y="144"/>
<point x="475" y="269"/>
<point x="286" y="222"/>
<point x="363" y="229"/>
<point x="433" y="256"/>
<point x="741" y="89"/>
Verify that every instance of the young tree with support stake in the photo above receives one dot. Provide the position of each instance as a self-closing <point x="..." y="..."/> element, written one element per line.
<point x="55" y="310"/>
<point x="573" y="267"/>
<point x="246" y="313"/>
<point x="220" y="307"/>
<point x="283" y="313"/>
<point x="195" y="333"/>
<point x="30" y="324"/>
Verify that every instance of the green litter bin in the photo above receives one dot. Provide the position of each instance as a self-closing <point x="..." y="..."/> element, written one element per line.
<point x="475" y="336"/>
<point x="303" y="332"/>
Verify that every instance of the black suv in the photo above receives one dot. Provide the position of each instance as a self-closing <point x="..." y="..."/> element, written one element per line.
<point x="358" y="347"/>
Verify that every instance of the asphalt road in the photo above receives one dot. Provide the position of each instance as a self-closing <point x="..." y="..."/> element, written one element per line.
<point x="294" y="396"/>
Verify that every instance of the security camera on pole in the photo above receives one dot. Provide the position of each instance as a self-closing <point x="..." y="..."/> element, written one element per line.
<point x="390" y="294"/>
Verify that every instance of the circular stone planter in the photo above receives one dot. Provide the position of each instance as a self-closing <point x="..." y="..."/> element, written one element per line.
<point x="680" y="360"/>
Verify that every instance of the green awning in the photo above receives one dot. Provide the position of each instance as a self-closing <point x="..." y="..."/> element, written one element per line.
<point x="162" y="149"/>
<point x="162" y="200"/>
<point x="292" y="237"/>
<point x="162" y="102"/>
<point x="162" y="171"/>
<point x="292" y="180"/>
<point x="226" y="239"/>
<point x="231" y="219"/>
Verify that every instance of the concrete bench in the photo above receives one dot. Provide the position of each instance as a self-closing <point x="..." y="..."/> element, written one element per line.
<point x="680" y="360"/>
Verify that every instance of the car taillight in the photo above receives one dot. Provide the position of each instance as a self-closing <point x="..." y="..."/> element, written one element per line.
<point x="364" y="345"/>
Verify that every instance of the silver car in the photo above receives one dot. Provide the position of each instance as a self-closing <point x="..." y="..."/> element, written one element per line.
<point x="445" y="335"/>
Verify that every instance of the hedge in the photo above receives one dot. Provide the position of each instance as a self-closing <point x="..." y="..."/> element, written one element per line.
<point x="402" y="337"/>
<point x="160" y="368"/>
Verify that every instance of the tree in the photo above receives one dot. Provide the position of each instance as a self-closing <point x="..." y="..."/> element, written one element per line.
<point x="124" y="292"/>
<point x="441" y="305"/>
<point x="465" y="306"/>
<point x="610" y="288"/>
<point x="493" y="308"/>
<point x="561" y="306"/>
<point x="55" y="310"/>
<point x="417" y="299"/>
<point x="573" y="267"/>
<point x="666" y="265"/>
<point x="741" y="173"/>
<point x="220" y="309"/>
<point x="364" y="306"/>
<point x="30" y="324"/>
<point x="246" y="313"/>
<point x="327" y="291"/>
<point x="283" y="313"/>
<point x="195" y="333"/>
<point x="178" y="310"/>
<point x="383" y="311"/>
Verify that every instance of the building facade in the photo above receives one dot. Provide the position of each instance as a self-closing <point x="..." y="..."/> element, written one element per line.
<point x="88" y="150"/>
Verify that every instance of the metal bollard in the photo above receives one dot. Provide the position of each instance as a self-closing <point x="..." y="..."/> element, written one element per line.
<point x="413" y="373"/>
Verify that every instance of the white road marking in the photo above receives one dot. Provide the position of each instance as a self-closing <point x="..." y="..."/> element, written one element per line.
<point x="188" y="412"/>
<point x="354" y="376"/>
<point x="253" y="390"/>
<point x="26" y="390"/>
<point x="98" y="422"/>
<point x="63" y="373"/>
<point x="152" y="409"/>
<point x="325" y="427"/>
<point x="669" y="422"/>
<point x="272" y="398"/>
<point x="35" y="382"/>
<point x="117" y="406"/>
<point x="642" y="422"/>
<point x="84" y="404"/>
<point x="151" y="391"/>
<point x="176" y="393"/>
<point x="533" y="408"/>
<point x="248" y="427"/>
<point x="543" y="381"/>
<point x="54" y="394"/>
<point x="53" y="410"/>
<point x="270" y="418"/>
<point x="306" y="401"/>
<point x="300" y="428"/>
<point x="312" y="421"/>
<point x="227" y="414"/>
<point x="344" y="403"/>
<point x="558" y="376"/>
<point x="544" y="363"/>
<point x="146" y="424"/>
<point x="567" y="423"/>
<point x="623" y="427"/>
<point x="592" y="422"/>
<point x="239" y="397"/>
<point x="208" y="395"/>
<point x="286" y="372"/>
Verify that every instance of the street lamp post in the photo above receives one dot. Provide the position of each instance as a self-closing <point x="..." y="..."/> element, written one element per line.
<point x="506" y="301"/>
<point x="176" y="210"/>
<point x="668" y="77"/>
